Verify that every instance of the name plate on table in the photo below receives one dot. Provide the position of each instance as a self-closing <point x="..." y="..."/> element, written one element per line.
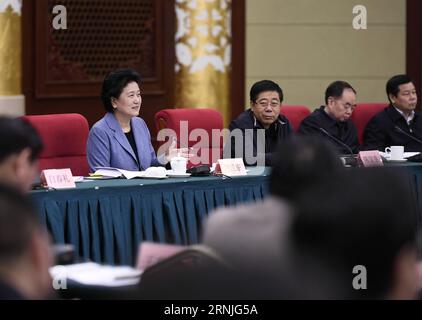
<point x="231" y="167"/>
<point x="58" y="178"/>
<point x="370" y="158"/>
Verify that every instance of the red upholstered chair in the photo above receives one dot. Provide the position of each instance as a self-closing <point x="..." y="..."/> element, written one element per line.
<point x="206" y="119"/>
<point x="363" y="113"/>
<point x="64" y="137"/>
<point x="295" y="114"/>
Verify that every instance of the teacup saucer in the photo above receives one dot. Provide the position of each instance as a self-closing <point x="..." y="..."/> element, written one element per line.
<point x="171" y="174"/>
<point x="397" y="160"/>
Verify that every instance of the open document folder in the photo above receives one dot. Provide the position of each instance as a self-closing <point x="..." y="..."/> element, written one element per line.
<point x="151" y="173"/>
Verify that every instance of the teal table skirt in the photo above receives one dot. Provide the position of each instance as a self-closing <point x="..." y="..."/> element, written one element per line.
<point x="413" y="170"/>
<point x="107" y="220"/>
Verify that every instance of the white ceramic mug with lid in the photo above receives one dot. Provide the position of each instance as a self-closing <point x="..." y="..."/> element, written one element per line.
<point x="395" y="152"/>
<point x="178" y="165"/>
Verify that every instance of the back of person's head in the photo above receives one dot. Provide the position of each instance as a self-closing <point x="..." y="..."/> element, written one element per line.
<point x="300" y="162"/>
<point x="263" y="86"/>
<point x="24" y="248"/>
<point x="20" y="146"/>
<point x="114" y="83"/>
<point x="360" y="217"/>
<point x="17" y="135"/>
<point x="393" y="84"/>
<point x="336" y="88"/>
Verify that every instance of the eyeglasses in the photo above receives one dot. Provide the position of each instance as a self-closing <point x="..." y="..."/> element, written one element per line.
<point x="345" y="105"/>
<point x="265" y="103"/>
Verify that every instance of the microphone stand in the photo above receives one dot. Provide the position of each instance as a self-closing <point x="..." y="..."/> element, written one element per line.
<point x="397" y="128"/>
<point x="350" y="159"/>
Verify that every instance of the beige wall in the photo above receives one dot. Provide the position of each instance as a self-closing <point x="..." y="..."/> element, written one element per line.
<point x="306" y="44"/>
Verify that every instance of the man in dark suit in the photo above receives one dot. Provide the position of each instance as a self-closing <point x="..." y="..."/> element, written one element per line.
<point x="399" y="124"/>
<point x="25" y="254"/>
<point x="257" y="132"/>
<point x="332" y="121"/>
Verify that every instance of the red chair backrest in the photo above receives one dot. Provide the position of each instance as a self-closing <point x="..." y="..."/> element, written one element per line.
<point x="295" y="114"/>
<point x="363" y="113"/>
<point x="64" y="137"/>
<point x="205" y="119"/>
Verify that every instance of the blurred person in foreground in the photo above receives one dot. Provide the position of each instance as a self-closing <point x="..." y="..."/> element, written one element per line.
<point x="245" y="244"/>
<point x="310" y="238"/>
<point x="349" y="235"/>
<point x="251" y="237"/>
<point x="25" y="255"/>
<point x="20" y="146"/>
<point x="353" y="237"/>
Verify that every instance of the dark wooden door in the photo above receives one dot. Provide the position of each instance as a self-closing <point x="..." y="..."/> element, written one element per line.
<point x="414" y="44"/>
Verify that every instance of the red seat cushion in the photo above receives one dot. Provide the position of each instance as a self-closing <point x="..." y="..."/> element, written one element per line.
<point x="363" y="113"/>
<point x="205" y="119"/>
<point x="295" y="114"/>
<point x="64" y="137"/>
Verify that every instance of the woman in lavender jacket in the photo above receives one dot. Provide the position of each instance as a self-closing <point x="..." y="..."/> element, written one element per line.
<point x="121" y="139"/>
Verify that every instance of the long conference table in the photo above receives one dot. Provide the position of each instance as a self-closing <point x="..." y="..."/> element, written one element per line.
<point x="106" y="220"/>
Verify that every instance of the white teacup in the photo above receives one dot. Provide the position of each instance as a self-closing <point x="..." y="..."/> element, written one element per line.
<point x="178" y="165"/>
<point x="395" y="152"/>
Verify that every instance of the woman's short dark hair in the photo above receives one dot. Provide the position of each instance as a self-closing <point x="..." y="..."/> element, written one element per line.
<point x="114" y="83"/>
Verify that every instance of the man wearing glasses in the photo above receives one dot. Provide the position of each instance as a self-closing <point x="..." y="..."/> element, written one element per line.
<point x="332" y="121"/>
<point x="399" y="124"/>
<point x="256" y="133"/>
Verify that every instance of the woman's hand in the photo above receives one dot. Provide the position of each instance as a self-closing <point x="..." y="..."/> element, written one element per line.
<point x="173" y="151"/>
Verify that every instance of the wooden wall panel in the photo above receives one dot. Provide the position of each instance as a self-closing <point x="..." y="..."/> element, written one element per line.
<point x="414" y="45"/>
<point x="64" y="69"/>
<point x="238" y="58"/>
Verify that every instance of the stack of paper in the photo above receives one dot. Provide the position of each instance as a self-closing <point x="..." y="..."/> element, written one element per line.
<point x="95" y="274"/>
<point x="405" y="154"/>
<point x="150" y="173"/>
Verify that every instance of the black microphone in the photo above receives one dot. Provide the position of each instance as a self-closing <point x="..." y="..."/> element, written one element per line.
<point x="336" y="140"/>
<point x="397" y="128"/>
